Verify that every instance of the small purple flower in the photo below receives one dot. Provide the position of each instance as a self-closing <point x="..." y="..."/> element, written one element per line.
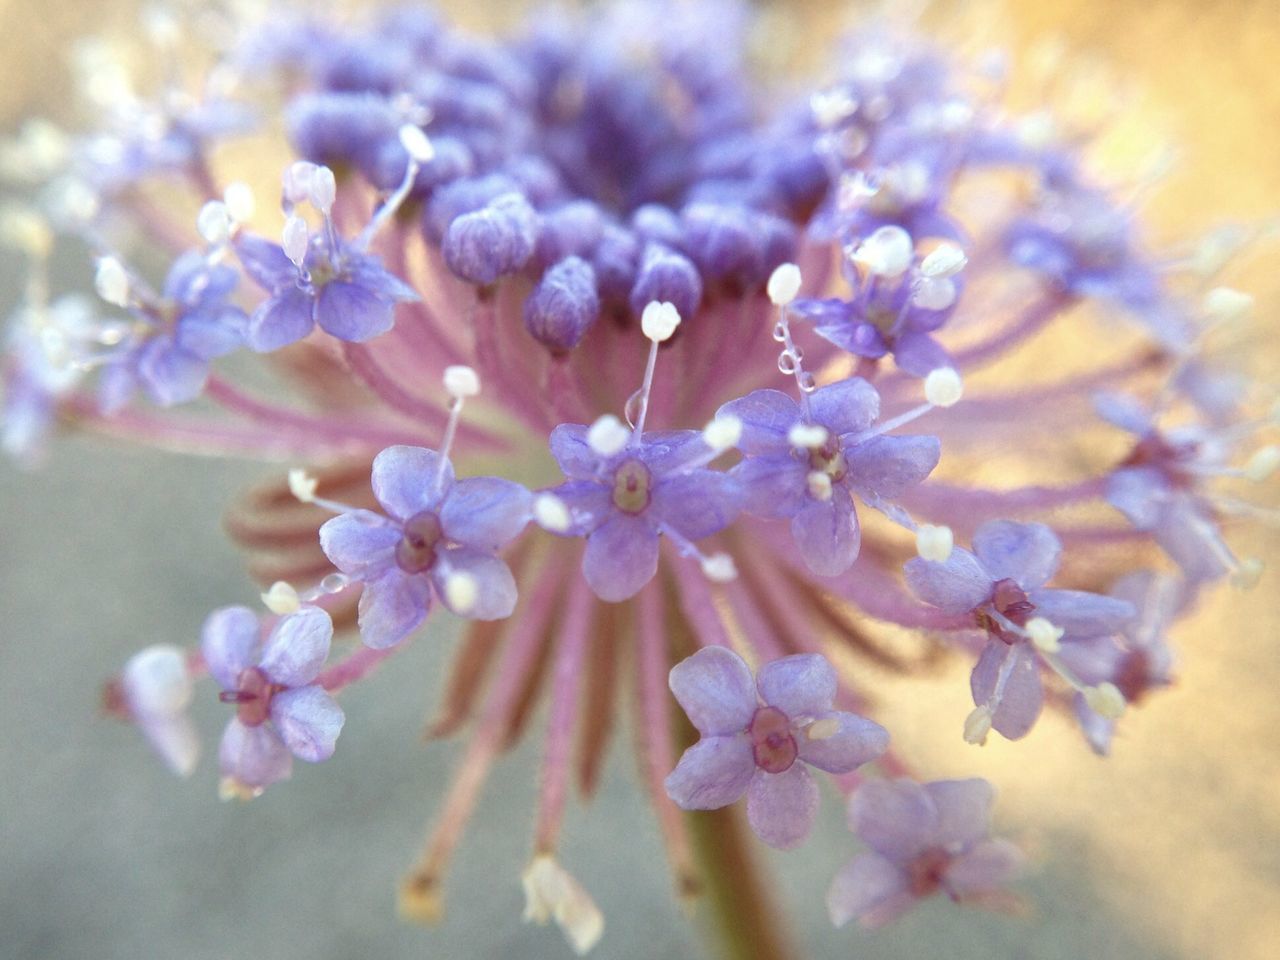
<point x="281" y="712"/>
<point x="438" y="533"/>
<point x="1001" y="584"/>
<point x="813" y="485"/>
<point x="923" y="839"/>
<point x="754" y="732"/>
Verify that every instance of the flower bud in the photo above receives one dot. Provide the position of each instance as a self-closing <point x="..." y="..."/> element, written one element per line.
<point x="668" y="277"/>
<point x="564" y="305"/>
<point x="491" y="242"/>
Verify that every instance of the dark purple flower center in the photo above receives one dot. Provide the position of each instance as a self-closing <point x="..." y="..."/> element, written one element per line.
<point x="1010" y="601"/>
<point x="631" y="485"/>
<point x="829" y="459"/>
<point x="1154" y="450"/>
<point x="416" y="550"/>
<point x="1134" y="677"/>
<point x="926" y="872"/>
<point x="772" y="744"/>
<point x="252" y="696"/>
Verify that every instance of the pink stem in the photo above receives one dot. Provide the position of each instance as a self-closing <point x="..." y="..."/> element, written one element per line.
<point x="355" y="666"/>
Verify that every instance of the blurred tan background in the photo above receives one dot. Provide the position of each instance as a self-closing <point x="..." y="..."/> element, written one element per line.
<point x="1170" y="849"/>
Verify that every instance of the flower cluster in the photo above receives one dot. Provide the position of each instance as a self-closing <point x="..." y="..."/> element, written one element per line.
<point x="715" y="310"/>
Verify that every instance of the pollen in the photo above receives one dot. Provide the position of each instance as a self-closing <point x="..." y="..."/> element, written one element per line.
<point x="934" y="542"/>
<point x="784" y="284"/>
<point x="551" y="513"/>
<point x="808" y="436"/>
<point x="281" y="598"/>
<point x="302" y="485"/>
<point x="608" y="436"/>
<point x="1044" y="635"/>
<point x="943" y="387"/>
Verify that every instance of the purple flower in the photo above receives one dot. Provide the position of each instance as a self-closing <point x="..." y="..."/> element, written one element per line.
<point x="1002" y="585"/>
<point x="814" y="485"/>
<point x="623" y="502"/>
<point x="439" y="533"/>
<point x="923" y="839"/>
<point x="754" y="732"/>
<point x="281" y="712"/>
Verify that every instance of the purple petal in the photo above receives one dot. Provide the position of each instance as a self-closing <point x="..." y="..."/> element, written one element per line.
<point x="175" y="739"/>
<point x="495" y="586"/>
<point x="826" y="531"/>
<point x="1098" y="730"/>
<point x="989" y="866"/>
<point x="368" y="272"/>
<point x="698" y="503"/>
<point x="886" y="467"/>
<point x="957" y="585"/>
<point x="621" y="557"/>
<point x="404" y="480"/>
<point x="352" y="312"/>
<point x="308" y="721"/>
<point x="773" y="487"/>
<point x="1191" y="539"/>
<point x="1123" y="411"/>
<point x="711" y="774"/>
<point x="281" y="320"/>
<point x="156" y="682"/>
<point x="227" y="642"/>
<point x="485" y="512"/>
<point x="919" y="354"/>
<point x="767" y="416"/>
<point x="265" y="262"/>
<point x="569" y="446"/>
<point x="589" y="503"/>
<point x="1023" y="694"/>
<point x="848" y="406"/>
<point x="802" y="685"/>
<point x="666" y="451"/>
<point x="1082" y="614"/>
<point x="964" y="810"/>
<point x="298" y="647"/>
<point x="856" y="741"/>
<point x="871" y="888"/>
<point x="715" y="688"/>
<point x="213" y="332"/>
<point x="1092" y="659"/>
<point x="360" y="543"/>
<point x="1136" y="492"/>
<point x="253" y="756"/>
<point x="1026" y="553"/>
<point x="392" y="607"/>
<point x="170" y="374"/>
<point x="896" y="818"/>
<point x="781" y="807"/>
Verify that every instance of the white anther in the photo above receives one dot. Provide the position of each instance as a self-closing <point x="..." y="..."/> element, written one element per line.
<point x="607" y="436"/>
<point x="461" y="382"/>
<point x="722" y="433"/>
<point x="784" y="284"/>
<point x="215" y="223"/>
<point x="302" y="485"/>
<point x="1037" y="130"/>
<point x="933" y="293"/>
<point x="945" y="261"/>
<point x="886" y="253"/>
<point x="550" y="893"/>
<point x="295" y="240"/>
<point x="977" y="725"/>
<point x="808" y="436"/>
<point x="1225" y="305"/>
<point x="1248" y="574"/>
<point x="819" y="484"/>
<point x="934" y="542"/>
<point x="943" y="387"/>
<point x="1044" y="635"/>
<point x="161" y="26"/>
<point x="831" y="107"/>
<point x="461" y="591"/>
<point x="659" y="320"/>
<point x="417" y="143"/>
<point x="1105" y="699"/>
<point x="112" y="282"/>
<point x="823" y="729"/>
<point x="239" y="200"/>
<point x="1262" y="464"/>
<point x="719" y="568"/>
<point x="282" y="599"/>
<point x="25" y="230"/>
<point x="297" y="181"/>
<point x="322" y="191"/>
<point x="551" y="513"/>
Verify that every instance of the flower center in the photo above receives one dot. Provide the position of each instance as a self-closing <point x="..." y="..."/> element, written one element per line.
<point x="829" y="459"/>
<point x="771" y="741"/>
<point x="1010" y="601"/>
<point x="631" y="483"/>
<point x="416" y="550"/>
<point x="1153" y="450"/>
<point x="926" y="871"/>
<point x="252" y="696"/>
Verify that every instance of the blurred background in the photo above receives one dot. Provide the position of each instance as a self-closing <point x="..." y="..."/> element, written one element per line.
<point x="1169" y="849"/>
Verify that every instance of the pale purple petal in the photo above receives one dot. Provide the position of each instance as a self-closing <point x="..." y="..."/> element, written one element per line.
<point x="297" y="647"/>
<point x="781" y="807"/>
<point x="253" y="756"/>
<point x="1082" y="614"/>
<point x="957" y="585"/>
<point x="1137" y="492"/>
<point x="801" y="685"/>
<point x="919" y="354"/>
<point x="308" y="721"/>
<point x="352" y="312"/>
<point x="621" y="557"/>
<point x="212" y="332"/>
<point x="826" y="531"/>
<point x="698" y="503"/>
<point x="175" y="739"/>
<point x="1092" y="659"/>
<point x="170" y="374"/>
<point x="767" y="416"/>
<point x="896" y="818"/>
<point x="1123" y="411"/>
<point x="281" y="320"/>
<point x="1098" y="730"/>
<point x="360" y="543"/>
<point x="1026" y="553"/>
<point x="1191" y="539"/>
<point x="485" y="512"/>
<point x="265" y="262"/>
<point x="392" y="607"/>
<point x="404" y="480"/>
<point x="856" y="741"/>
<point x="711" y="774"/>
<point x="872" y="889"/>
<point x="964" y="809"/>
<point x="575" y="457"/>
<point x="228" y="641"/>
<point x="667" y="451"/>
<point x="156" y="681"/>
<point x="1022" y="696"/>
<point x="987" y="867"/>
<point x="773" y="487"/>
<point x="589" y="504"/>
<point x="495" y="586"/>
<point x="849" y="406"/>
<point x="886" y="467"/>
<point x="715" y="688"/>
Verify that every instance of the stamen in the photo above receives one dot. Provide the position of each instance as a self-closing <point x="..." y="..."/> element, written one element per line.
<point x="934" y="542"/>
<point x="887" y="253"/>
<point x="295" y="240"/>
<point x="819" y="483"/>
<point x="239" y="200"/>
<point x="552" y="893"/>
<point x="112" y="282"/>
<point x="784" y="284"/>
<point x="808" y="436"/>
<point x="607" y="436"/>
<point x="791" y="360"/>
<point x="420" y="151"/>
<point x="461" y="590"/>
<point x="658" y="322"/>
<point x="719" y="568"/>
<point x="977" y="725"/>
<point x="281" y="599"/>
<point x="460" y="382"/>
<point x="943" y="387"/>
<point x="302" y="485"/>
<point x="1044" y="635"/>
<point x="215" y="223"/>
<point x="722" y="433"/>
<point x="551" y="513"/>
<point x="946" y="260"/>
<point x="1105" y="699"/>
<point x="1262" y="464"/>
<point x="1248" y="573"/>
<point x="1225" y="305"/>
<point x="823" y="729"/>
